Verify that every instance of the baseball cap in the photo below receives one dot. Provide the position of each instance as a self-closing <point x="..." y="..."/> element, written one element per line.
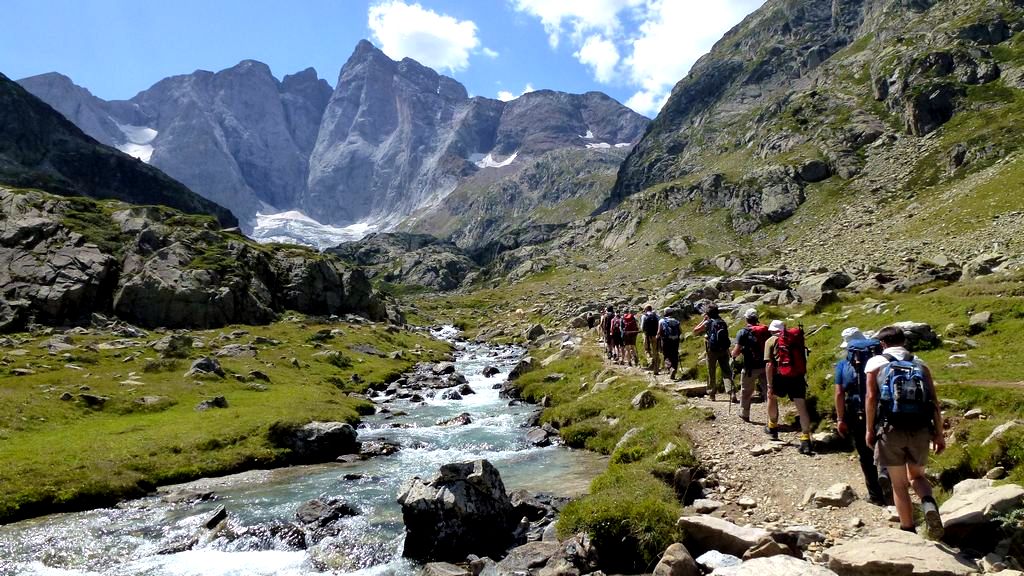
<point x="777" y="326"/>
<point x="750" y="314"/>
<point x="850" y="334"/>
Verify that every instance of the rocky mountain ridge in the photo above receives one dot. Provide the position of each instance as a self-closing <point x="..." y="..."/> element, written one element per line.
<point x="393" y="138"/>
<point x="39" y="148"/>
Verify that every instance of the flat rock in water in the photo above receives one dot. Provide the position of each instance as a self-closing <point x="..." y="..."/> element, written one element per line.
<point x="528" y="556"/>
<point x="775" y="566"/>
<point x="889" y="552"/>
<point x="444" y="569"/>
<point x="709" y="533"/>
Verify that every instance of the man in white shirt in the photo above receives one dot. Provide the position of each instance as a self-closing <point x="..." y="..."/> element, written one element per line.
<point x="902" y="446"/>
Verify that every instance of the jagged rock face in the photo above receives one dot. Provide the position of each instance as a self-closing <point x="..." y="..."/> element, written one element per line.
<point x="410" y="259"/>
<point x="159" y="268"/>
<point x="238" y="137"/>
<point x="41" y="149"/>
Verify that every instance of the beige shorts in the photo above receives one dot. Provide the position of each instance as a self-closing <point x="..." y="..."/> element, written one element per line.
<point x="897" y="447"/>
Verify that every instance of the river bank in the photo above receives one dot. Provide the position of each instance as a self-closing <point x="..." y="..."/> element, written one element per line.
<point x="127" y="539"/>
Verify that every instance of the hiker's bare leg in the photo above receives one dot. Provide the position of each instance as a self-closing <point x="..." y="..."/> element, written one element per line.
<point x="901" y="495"/>
<point x="915" y="475"/>
<point x="805" y="416"/>
<point x="773" y="408"/>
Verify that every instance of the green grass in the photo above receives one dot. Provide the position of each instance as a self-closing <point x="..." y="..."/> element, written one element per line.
<point x="64" y="455"/>
<point x="630" y="512"/>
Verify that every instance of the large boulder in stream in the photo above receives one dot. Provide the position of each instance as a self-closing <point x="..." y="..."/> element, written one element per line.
<point x="461" y="510"/>
<point x="316" y="441"/>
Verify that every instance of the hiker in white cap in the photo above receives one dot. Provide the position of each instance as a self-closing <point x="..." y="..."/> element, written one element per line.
<point x="750" y="341"/>
<point x="786" y="368"/>
<point x="851" y="421"/>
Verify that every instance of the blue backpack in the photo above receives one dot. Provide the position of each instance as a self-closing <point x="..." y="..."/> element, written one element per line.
<point x="718" y="334"/>
<point x="906" y="399"/>
<point x="851" y="376"/>
<point x="670" y="328"/>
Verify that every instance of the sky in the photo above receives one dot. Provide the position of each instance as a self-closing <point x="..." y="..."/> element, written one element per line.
<point x="633" y="50"/>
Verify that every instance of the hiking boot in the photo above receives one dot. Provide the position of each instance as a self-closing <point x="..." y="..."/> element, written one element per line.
<point x="877" y="500"/>
<point x="805" y="448"/>
<point x="885" y="483"/>
<point x="932" y="519"/>
<point x="745" y="418"/>
<point x="772" y="432"/>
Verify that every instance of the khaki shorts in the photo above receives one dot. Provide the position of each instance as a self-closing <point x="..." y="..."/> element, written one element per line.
<point x="896" y="447"/>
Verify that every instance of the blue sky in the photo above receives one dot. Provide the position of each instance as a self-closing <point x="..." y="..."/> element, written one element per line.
<point x="634" y="50"/>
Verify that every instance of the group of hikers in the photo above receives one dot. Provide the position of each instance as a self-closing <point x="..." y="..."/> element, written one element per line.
<point x="884" y="395"/>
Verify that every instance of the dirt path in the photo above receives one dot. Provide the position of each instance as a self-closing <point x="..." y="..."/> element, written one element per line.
<point x="778" y="481"/>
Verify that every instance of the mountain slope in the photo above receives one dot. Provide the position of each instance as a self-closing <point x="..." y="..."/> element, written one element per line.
<point x="39" y="148"/>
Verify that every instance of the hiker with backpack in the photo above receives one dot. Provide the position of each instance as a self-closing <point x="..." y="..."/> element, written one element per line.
<point x="669" y="334"/>
<point x="750" y="341"/>
<point x="850" y="400"/>
<point x="606" y="330"/>
<point x="649" y="326"/>
<point x="785" y="355"/>
<point x="630" y="329"/>
<point x="903" y="416"/>
<point x="716" y="344"/>
<point x="618" y="348"/>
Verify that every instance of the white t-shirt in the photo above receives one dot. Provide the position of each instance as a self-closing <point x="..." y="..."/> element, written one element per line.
<point x="900" y="353"/>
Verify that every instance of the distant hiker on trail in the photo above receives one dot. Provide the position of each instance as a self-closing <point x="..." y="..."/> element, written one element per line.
<point x="617" y="339"/>
<point x="606" y="330"/>
<point x="649" y="326"/>
<point x="716" y="343"/>
<point x="750" y="341"/>
<point x="903" y="415"/>
<point x="785" y="357"/>
<point x="630" y="330"/>
<point x="669" y="332"/>
<point x="851" y="394"/>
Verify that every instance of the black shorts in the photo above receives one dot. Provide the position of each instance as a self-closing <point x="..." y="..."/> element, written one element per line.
<point x="794" y="387"/>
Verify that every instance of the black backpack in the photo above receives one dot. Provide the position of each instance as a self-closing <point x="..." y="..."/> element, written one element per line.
<point x="718" y="334"/>
<point x="649" y="323"/>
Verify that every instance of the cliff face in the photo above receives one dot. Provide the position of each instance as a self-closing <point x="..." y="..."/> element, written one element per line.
<point x="39" y="148"/>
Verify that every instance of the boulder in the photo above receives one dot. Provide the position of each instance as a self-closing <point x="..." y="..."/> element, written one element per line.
<point x="204" y="366"/>
<point x="705" y="533"/>
<point x="1000" y="431"/>
<point x="814" y="171"/>
<point x="535" y="331"/>
<point x="920" y="336"/>
<point x="460" y="420"/>
<point x="215" y="402"/>
<point x="538" y="437"/>
<point x="817" y="289"/>
<point x="444" y="569"/>
<point x="321" y="512"/>
<point x="461" y="510"/>
<point x="677" y="561"/>
<point x="490" y="371"/>
<point x="644" y="400"/>
<point x="765" y="548"/>
<point x="529" y="556"/>
<point x="892" y="552"/>
<point x="443" y="368"/>
<point x="979" y="322"/>
<point x="839" y="495"/>
<point x="716" y="562"/>
<point x="798" y="538"/>
<point x="969" y="515"/>
<point x="706" y="506"/>
<point x="316" y="441"/>
<point x="236" y="351"/>
<point x="779" y="565"/>
<point x="522" y="367"/>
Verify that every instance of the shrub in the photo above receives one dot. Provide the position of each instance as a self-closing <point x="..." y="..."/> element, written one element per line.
<point x="179" y="346"/>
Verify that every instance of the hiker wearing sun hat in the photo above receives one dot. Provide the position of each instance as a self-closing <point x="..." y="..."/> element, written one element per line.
<point x="786" y="368"/>
<point x="851" y="391"/>
<point x="750" y="341"/>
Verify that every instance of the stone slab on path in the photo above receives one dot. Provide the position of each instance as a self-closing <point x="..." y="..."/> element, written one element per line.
<point x="710" y="533"/>
<point x="775" y="566"/>
<point x="891" y="552"/>
<point x="968" y="514"/>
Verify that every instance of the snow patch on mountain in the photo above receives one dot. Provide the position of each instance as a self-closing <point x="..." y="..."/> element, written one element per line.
<point x="589" y="135"/>
<point x="488" y="161"/>
<point x="138" y="141"/>
<point x="294" y="227"/>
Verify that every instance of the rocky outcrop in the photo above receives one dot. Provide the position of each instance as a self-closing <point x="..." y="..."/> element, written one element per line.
<point x="158" y="268"/>
<point x="462" y="510"/>
<point x="41" y="149"/>
<point x="969" y="516"/>
<point x="703" y="533"/>
<point x="409" y="259"/>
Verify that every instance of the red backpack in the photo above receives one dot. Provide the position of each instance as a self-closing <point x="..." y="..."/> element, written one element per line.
<point x="791" y="353"/>
<point x="759" y="336"/>
<point x="629" y="325"/>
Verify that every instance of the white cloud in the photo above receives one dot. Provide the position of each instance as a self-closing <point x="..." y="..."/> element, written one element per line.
<point x="505" y="95"/>
<point x="580" y="16"/>
<point x="601" y="55"/>
<point x="648" y="45"/>
<point x="436" y="40"/>
<point x="489" y="53"/>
